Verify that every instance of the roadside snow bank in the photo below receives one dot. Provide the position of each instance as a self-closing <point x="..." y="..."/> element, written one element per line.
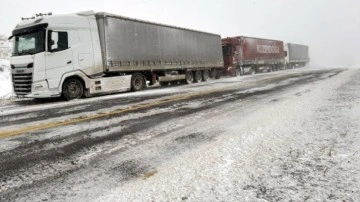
<point x="5" y="80"/>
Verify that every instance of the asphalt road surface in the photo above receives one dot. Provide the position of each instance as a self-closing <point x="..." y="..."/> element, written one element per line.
<point x="280" y="136"/>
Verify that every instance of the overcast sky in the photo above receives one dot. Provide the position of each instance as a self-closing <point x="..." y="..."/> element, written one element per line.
<point x="331" y="28"/>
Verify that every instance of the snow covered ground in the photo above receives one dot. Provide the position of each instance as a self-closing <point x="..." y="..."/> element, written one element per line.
<point x="267" y="139"/>
<point x="301" y="146"/>
<point x="6" y="89"/>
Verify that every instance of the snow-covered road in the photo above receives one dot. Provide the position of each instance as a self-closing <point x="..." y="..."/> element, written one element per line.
<point x="282" y="136"/>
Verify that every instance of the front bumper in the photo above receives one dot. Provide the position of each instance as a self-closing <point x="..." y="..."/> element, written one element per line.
<point x="41" y="89"/>
<point x="43" y="94"/>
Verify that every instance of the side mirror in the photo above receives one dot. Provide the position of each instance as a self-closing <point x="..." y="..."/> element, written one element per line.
<point x="50" y="44"/>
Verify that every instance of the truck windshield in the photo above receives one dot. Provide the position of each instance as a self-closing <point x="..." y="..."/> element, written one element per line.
<point x="226" y="50"/>
<point x="29" y="43"/>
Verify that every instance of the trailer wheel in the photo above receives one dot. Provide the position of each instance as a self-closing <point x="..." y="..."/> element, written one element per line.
<point x="205" y="75"/>
<point x="197" y="76"/>
<point x="72" y="89"/>
<point x="174" y="83"/>
<point x="213" y="73"/>
<point x="138" y="82"/>
<point x="253" y="71"/>
<point x="218" y="74"/>
<point x="189" y="77"/>
<point x="237" y="72"/>
<point x="164" y="83"/>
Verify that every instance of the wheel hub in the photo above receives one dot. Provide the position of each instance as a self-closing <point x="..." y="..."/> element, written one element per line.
<point x="73" y="89"/>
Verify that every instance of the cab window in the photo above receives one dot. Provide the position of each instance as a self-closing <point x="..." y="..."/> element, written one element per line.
<point x="58" y="41"/>
<point x="226" y="50"/>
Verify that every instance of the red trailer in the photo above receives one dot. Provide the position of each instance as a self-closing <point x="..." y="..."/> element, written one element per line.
<point x="251" y="55"/>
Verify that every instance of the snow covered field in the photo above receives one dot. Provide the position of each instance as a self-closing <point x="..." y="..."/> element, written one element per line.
<point x="5" y="80"/>
<point x="284" y="136"/>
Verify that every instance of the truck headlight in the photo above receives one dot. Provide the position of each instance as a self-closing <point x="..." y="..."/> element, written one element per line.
<point x="40" y="86"/>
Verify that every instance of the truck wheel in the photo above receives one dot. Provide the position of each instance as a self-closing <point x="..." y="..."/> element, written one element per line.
<point x="137" y="82"/>
<point x="86" y="93"/>
<point x="205" y="75"/>
<point x="72" y="89"/>
<point x="218" y="74"/>
<point x="164" y="83"/>
<point x="237" y="72"/>
<point x="253" y="71"/>
<point x="174" y="83"/>
<point x="197" y="76"/>
<point x="189" y="77"/>
<point x="213" y="73"/>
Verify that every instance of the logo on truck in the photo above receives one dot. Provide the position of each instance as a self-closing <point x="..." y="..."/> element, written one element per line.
<point x="268" y="49"/>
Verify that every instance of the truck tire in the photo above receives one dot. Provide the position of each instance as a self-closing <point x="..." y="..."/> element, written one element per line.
<point x="197" y="76"/>
<point x="164" y="83"/>
<point x="72" y="89"/>
<point x="205" y="75"/>
<point x="189" y="77"/>
<point x="213" y="73"/>
<point x="237" y="72"/>
<point x="253" y="71"/>
<point x="137" y="82"/>
<point x="174" y="83"/>
<point x="218" y="74"/>
<point x="86" y="93"/>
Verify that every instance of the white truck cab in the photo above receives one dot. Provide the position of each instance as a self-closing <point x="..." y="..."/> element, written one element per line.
<point x="50" y="51"/>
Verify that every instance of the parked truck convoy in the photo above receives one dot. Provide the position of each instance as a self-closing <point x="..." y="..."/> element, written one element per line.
<point x="87" y="53"/>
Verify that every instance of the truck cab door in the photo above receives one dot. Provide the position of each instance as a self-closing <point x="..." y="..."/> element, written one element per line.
<point x="59" y="57"/>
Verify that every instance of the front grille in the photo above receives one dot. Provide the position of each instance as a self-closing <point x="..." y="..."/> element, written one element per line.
<point x="22" y="83"/>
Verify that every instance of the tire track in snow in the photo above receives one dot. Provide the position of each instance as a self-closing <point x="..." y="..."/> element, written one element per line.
<point x="54" y="114"/>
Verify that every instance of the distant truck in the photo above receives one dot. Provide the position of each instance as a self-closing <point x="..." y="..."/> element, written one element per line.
<point x="88" y="53"/>
<point x="296" y="55"/>
<point x="252" y="55"/>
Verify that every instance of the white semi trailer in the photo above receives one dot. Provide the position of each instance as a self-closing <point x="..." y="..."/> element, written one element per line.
<point x="78" y="55"/>
<point x="296" y="55"/>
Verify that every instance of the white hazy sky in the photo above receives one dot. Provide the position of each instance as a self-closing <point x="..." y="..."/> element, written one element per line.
<point x="330" y="27"/>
